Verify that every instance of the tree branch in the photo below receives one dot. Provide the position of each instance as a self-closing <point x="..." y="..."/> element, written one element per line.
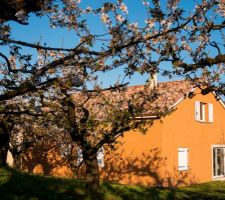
<point x="202" y="63"/>
<point x="25" y="87"/>
<point x="26" y="112"/>
<point x="6" y="60"/>
<point x="36" y="46"/>
<point x="98" y="90"/>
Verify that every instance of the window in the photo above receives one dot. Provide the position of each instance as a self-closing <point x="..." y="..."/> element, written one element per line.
<point x="79" y="156"/>
<point x="183" y="159"/>
<point x="218" y="162"/>
<point x="100" y="157"/>
<point x="203" y="112"/>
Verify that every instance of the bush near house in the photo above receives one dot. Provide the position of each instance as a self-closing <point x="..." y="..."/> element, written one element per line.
<point x="15" y="185"/>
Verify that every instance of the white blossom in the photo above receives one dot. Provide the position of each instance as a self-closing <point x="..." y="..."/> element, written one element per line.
<point x="105" y="18"/>
<point x="145" y="3"/>
<point x="124" y="8"/>
<point x="221" y="7"/>
<point x="22" y="16"/>
<point x="120" y="18"/>
<point x="150" y="23"/>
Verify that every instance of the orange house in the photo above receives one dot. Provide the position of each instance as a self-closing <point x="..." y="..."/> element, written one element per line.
<point x="185" y="147"/>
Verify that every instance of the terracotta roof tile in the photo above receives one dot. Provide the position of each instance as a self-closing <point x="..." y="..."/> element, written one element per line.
<point x="166" y="94"/>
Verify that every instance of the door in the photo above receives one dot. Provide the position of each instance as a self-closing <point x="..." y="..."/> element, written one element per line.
<point x="218" y="162"/>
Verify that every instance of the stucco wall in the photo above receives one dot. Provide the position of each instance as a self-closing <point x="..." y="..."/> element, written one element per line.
<point x="45" y="159"/>
<point x="182" y="130"/>
<point x="137" y="159"/>
<point x="152" y="159"/>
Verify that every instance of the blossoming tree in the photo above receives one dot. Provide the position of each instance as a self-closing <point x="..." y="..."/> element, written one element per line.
<point x="192" y="42"/>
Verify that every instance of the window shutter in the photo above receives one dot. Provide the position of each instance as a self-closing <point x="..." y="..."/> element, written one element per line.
<point x="100" y="157"/>
<point x="79" y="156"/>
<point x="197" y="110"/>
<point x="182" y="159"/>
<point x="210" y="112"/>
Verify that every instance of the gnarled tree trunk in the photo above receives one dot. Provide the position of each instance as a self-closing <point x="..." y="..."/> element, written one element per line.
<point x="6" y="126"/>
<point x="16" y="159"/>
<point x="4" y="144"/>
<point x="92" y="173"/>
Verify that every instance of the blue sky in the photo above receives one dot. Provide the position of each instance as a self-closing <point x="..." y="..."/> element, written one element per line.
<point x="38" y="29"/>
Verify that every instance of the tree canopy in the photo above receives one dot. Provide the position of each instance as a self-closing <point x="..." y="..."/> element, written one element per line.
<point x="170" y="34"/>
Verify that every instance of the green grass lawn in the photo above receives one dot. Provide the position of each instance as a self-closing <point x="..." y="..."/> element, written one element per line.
<point x="18" y="186"/>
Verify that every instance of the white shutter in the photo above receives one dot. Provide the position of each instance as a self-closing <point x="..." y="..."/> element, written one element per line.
<point x="197" y="110"/>
<point x="100" y="157"/>
<point x="182" y="159"/>
<point x="210" y="112"/>
<point x="79" y="156"/>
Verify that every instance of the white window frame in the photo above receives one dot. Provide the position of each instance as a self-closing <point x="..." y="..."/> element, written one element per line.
<point x="79" y="156"/>
<point x="197" y="110"/>
<point x="100" y="157"/>
<point x="200" y="110"/>
<point x="212" y="147"/>
<point x="183" y="166"/>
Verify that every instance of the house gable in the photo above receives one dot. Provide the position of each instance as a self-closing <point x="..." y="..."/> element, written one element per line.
<point x="152" y="159"/>
<point x="182" y="130"/>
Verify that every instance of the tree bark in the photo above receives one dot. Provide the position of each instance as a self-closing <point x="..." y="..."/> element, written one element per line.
<point x="16" y="160"/>
<point x="9" y="8"/>
<point x="4" y="146"/>
<point x="92" y="174"/>
<point x="6" y="126"/>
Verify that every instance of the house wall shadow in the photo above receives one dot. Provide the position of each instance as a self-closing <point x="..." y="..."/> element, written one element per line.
<point x="149" y="169"/>
<point x="45" y="159"/>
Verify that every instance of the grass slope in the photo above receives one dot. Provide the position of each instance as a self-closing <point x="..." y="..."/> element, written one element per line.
<point x="18" y="186"/>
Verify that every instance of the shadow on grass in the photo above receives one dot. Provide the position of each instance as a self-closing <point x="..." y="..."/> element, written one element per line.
<point x="15" y="185"/>
<point x="207" y="191"/>
<point x="19" y="186"/>
<point x="212" y="191"/>
<point x="135" y="193"/>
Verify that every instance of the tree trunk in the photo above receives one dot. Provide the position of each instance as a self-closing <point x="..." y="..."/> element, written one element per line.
<point x="6" y="127"/>
<point x="4" y="146"/>
<point x="92" y="174"/>
<point x="16" y="160"/>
